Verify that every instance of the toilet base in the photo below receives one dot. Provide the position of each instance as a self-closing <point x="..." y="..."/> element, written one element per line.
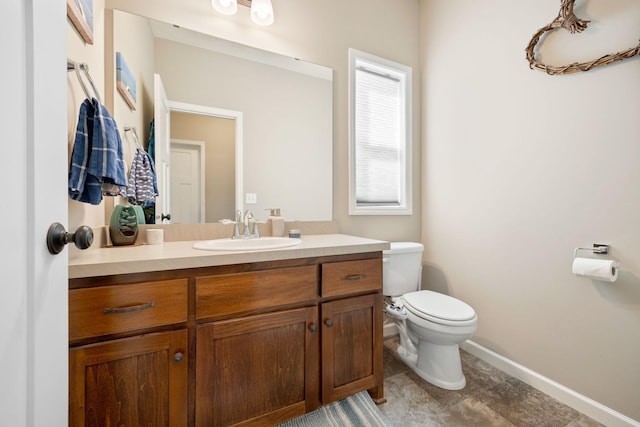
<point x="440" y="365"/>
<point x="437" y="364"/>
<point x="432" y="372"/>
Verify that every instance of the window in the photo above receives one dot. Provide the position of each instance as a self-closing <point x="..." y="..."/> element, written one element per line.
<point x="379" y="136"/>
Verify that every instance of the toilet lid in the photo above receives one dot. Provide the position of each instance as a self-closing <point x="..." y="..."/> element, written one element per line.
<point x="440" y="306"/>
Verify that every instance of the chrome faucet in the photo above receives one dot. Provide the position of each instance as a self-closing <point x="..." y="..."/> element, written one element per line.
<point x="248" y="216"/>
<point x="249" y="219"/>
<point x="236" y="230"/>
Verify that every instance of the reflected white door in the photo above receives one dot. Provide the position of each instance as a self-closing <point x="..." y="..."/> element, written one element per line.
<point x="34" y="287"/>
<point x="187" y="182"/>
<point x="162" y="133"/>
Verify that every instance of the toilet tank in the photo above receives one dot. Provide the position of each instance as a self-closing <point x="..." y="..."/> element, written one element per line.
<point x="401" y="268"/>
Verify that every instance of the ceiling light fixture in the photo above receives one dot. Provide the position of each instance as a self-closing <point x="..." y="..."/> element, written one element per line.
<point x="261" y="10"/>
<point x="225" y="7"/>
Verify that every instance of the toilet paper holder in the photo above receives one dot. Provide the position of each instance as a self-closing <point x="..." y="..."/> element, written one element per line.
<point x="597" y="249"/>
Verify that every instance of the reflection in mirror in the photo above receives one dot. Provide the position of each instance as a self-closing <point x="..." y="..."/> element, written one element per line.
<point x="284" y="146"/>
<point x="203" y="167"/>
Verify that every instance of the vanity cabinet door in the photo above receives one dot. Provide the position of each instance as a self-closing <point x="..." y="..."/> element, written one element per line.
<point x="257" y="370"/>
<point x="352" y="347"/>
<point x="137" y="381"/>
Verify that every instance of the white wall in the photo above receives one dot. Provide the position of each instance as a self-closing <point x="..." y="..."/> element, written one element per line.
<point x="519" y="168"/>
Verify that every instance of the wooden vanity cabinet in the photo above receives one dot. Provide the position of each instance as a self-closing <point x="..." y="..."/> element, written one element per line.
<point x="137" y="381"/>
<point x="119" y="374"/>
<point x="252" y="344"/>
<point x="256" y="370"/>
<point x="352" y="329"/>
<point x="352" y="347"/>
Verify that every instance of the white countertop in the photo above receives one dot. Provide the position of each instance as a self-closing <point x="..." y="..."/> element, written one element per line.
<point x="179" y="255"/>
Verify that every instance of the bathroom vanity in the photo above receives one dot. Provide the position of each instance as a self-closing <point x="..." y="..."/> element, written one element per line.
<point x="170" y="335"/>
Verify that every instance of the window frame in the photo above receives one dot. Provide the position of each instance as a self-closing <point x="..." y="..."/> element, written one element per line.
<point x="405" y="207"/>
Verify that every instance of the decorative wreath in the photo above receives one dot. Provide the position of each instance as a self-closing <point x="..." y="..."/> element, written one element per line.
<point x="567" y="20"/>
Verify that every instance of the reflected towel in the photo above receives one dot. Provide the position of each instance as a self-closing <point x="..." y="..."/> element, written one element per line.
<point x="142" y="186"/>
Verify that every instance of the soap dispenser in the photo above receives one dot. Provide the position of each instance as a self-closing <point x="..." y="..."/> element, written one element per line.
<point x="277" y="222"/>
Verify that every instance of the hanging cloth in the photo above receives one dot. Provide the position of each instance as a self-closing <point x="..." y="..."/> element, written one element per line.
<point x="142" y="185"/>
<point x="152" y="139"/>
<point x="97" y="165"/>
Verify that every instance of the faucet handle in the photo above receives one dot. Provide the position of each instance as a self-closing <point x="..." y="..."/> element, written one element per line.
<point x="255" y="232"/>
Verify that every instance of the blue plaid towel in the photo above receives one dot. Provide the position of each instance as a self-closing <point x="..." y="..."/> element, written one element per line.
<point x="97" y="165"/>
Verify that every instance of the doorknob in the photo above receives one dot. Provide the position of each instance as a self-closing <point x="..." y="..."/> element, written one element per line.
<point x="57" y="237"/>
<point x="167" y="217"/>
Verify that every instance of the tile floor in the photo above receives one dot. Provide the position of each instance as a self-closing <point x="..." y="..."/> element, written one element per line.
<point x="490" y="398"/>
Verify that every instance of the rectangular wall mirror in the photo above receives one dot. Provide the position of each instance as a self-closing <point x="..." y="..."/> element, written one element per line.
<point x="251" y="129"/>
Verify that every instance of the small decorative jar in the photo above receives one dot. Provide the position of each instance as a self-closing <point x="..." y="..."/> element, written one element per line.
<point x="123" y="227"/>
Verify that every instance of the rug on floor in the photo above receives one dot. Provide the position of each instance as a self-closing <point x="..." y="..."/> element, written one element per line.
<point x="354" y="411"/>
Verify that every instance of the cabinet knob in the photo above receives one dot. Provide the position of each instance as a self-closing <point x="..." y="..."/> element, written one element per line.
<point x="329" y="323"/>
<point x="177" y="358"/>
<point x="313" y="327"/>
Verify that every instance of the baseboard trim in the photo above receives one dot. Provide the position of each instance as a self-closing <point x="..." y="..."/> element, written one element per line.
<point x="577" y="401"/>
<point x="389" y="329"/>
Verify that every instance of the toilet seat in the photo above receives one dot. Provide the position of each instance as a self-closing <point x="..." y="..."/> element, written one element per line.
<point x="439" y="308"/>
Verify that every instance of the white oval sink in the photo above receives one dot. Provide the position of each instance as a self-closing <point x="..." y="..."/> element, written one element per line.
<point x="257" y="244"/>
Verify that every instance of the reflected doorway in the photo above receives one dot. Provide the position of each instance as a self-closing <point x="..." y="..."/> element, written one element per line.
<point x="206" y="145"/>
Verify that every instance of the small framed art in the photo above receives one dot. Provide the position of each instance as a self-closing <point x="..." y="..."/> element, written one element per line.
<point x="125" y="82"/>
<point x="80" y="13"/>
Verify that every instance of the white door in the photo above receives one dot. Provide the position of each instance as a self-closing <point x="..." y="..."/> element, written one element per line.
<point x="187" y="182"/>
<point x="162" y="133"/>
<point x="33" y="165"/>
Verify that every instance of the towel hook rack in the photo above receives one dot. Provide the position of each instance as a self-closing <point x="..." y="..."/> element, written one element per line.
<point x="84" y="67"/>
<point x="132" y="129"/>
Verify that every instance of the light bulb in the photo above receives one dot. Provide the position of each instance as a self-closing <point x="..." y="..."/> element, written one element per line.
<point x="225" y="7"/>
<point x="262" y="12"/>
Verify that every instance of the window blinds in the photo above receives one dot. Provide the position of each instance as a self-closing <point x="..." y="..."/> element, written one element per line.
<point x="379" y="141"/>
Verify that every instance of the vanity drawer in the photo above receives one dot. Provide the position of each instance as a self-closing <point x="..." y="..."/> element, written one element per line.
<point x="113" y="309"/>
<point x="221" y="296"/>
<point x="349" y="277"/>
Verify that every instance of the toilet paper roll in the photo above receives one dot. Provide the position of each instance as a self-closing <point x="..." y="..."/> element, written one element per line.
<point x="155" y="236"/>
<point x="598" y="269"/>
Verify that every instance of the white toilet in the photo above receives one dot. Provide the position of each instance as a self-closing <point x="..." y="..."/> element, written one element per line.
<point x="431" y="324"/>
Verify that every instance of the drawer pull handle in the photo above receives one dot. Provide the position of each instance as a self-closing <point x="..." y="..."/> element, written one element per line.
<point x="116" y="310"/>
<point x="329" y="323"/>
<point x="313" y="327"/>
<point x="177" y="358"/>
<point x="354" y="277"/>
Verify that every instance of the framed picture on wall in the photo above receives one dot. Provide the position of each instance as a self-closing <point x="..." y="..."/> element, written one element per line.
<point x="80" y="12"/>
<point x="125" y="82"/>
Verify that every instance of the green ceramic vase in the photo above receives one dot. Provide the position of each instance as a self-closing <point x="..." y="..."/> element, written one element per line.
<point x="123" y="227"/>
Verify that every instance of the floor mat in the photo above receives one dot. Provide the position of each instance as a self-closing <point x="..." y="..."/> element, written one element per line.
<point x="354" y="411"/>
